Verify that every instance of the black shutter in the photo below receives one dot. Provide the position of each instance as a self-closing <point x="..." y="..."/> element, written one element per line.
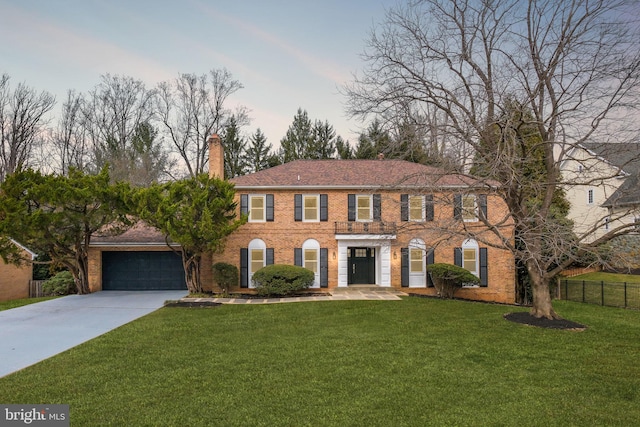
<point x="324" y="267"/>
<point x="297" y="257"/>
<point x="324" y="207"/>
<point x="269" y="256"/>
<point x="483" y="267"/>
<point x="244" y="267"/>
<point x="351" y="205"/>
<point x="269" y="207"/>
<point x="404" y="207"/>
<point x="429" y="207"/>
<point x="457" y="256"/>
<point x="404" y="267"/>
<point x="430" y="260"/>
<point x="457" y="206"/>
<point x="244" y="204"/>
<point x="377" y="207"/>
<point x="297" y="207"/>
<point x="482" y="205"/>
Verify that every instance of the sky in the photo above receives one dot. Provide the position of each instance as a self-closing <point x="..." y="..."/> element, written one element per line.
<point x="288" y="54"/>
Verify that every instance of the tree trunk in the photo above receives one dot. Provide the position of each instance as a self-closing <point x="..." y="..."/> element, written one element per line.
<point x="191" y="266"/>
<point x="541" y="296"/>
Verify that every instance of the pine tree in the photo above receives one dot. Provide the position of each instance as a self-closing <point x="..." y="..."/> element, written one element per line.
<point x="343" y="148"/>
<point x="258" y="152"/>
<point x="235" y="157"/>
<point x="298" y="139"/>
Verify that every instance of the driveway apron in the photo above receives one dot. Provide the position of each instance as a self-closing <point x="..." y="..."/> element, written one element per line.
<point x="35" y="332"/>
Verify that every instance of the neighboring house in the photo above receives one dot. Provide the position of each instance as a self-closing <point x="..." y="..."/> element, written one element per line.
<point x="375" y="222"/>
<point x="604" y="189"/>
<point x="14" y="280"/>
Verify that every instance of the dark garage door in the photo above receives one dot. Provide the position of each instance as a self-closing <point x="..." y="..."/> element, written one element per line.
<point x="141" y="271"/>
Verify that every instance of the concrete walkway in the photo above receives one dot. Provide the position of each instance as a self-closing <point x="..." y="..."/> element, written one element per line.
<point x="35" y="332"/>
<point x="337" y="294"/>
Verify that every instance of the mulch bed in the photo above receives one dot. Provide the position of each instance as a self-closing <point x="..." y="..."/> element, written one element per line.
<point x="525" y="318"/>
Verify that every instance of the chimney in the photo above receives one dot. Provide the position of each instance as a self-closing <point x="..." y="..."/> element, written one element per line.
<point x="216" y="157"/>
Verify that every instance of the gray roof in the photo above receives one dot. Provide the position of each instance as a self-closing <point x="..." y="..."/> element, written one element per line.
<point x="625" y="156"/>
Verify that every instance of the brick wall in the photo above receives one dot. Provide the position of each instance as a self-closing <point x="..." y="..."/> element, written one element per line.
<point x="14" y="281"/>
<point x="284" y="234"/>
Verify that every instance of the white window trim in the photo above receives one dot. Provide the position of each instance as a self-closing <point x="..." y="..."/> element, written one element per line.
<point x="304" y="210"/>
<point x="312" y="244"/>
<point x="370" y="197"/>
<point x="255" y="244"/>
<point x="424" y="208"/>
<point x="470" y="244"/>
<point x="475" y="207"/>
<point x="264" y="207"/>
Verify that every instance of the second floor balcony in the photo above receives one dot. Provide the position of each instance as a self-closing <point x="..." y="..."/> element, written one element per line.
<point x="375" y="227"/>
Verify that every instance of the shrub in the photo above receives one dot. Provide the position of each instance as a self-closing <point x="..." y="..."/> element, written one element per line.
<point x="225" y="275"/>
<point x="277" y="279"/>
<point x="60" y="284"/>
<point x="448" y="278"/>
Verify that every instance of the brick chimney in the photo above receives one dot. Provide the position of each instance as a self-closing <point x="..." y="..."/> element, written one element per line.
<point x="216" y="157"/>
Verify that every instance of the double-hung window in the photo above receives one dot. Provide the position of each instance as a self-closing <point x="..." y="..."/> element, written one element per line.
<point x="311" y="208"/>
<point x="416" y="208"/>
<point x="590" y="196"/>
<point x="364" y="208"/>
<point x="257" y="208"/>
<point x="469" y="208"/>
<point x="416" y="260"/>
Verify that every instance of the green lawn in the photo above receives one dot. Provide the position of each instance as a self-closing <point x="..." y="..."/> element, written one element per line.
<point x="6" y="305"/>
<point x="414" y="362"/>
<point x="608" y="277"/>
<point x="616" y="290"/>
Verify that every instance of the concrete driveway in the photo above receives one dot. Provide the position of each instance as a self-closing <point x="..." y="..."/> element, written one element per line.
<point x="38" y="331"/>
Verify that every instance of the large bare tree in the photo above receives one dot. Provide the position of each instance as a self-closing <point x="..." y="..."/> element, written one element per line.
<point x="191" y="108"/>
<point x="572" y="65"/>
<point x="22" y="119"/>
<point x="68" y="144"/>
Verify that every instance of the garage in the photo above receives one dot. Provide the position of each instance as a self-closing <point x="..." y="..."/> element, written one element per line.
<point x="142" y="271"/>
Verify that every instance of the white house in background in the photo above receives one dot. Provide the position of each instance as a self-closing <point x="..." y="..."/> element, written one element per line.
<point x="605" y="189"/>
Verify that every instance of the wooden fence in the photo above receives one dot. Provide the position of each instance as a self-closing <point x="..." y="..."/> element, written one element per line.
<point x="35" y="288"/>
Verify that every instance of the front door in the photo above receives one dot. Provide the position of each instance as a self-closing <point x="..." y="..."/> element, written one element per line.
<point x="362" y="266"/>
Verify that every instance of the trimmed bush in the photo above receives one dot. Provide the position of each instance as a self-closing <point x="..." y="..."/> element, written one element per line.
<point x="60" y="284"/>
<point x="225" y="275"/>
<point x="280" y="280"/>
<point x="448" y="278"/>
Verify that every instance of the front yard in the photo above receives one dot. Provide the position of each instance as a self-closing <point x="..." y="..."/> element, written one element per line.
<point x="376" y="363"/>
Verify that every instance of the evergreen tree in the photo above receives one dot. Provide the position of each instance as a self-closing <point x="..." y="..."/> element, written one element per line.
<point x="258" y="152"/>
<point x="235" y="157"/>
<point x="343" y="148"/>
<point x="298" y="139"/>
<point x="323" y="144"/>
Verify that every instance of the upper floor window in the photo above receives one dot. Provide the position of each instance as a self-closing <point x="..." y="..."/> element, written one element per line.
<point x="590" y="196"/>
<point x="258" y="207"/>
<point x="416" y="208"/>
<point x="364" y="210"/>
<point x="311" y="208"/>
<point x="469" y="208"/>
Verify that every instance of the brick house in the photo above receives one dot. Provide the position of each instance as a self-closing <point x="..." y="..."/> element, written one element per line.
<point x="14" y="280"/>
<point x="375" y="222"/>
<point x="379" y="222"/>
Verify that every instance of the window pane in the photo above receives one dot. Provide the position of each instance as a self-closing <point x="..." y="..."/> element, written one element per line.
<point x="257" y="208"/>
<point x="415" y="208"/>
<point x="469" y="259"/>
<point x="364" y="208"/>
<point x="415" y="264"/>
<point x="311" y="208"/>
<point x="257" y="259"/>
<point x="469" y="208"/>
<point x="311" y="259"/>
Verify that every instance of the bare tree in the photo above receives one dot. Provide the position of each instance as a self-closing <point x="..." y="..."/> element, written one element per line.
<point x="573" y="64"/>
<point x="22" y="118"/>
<point x="191" y="108"/>
<point x="115" y="113"/>
<point x="67" y="141"/>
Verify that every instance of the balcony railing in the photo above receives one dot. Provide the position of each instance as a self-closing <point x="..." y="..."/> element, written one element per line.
<point x="376" y="227"/>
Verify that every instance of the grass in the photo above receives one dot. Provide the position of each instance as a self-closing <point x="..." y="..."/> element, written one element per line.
<point x="350" y="363"/>
<point x="6" y="305"/>
<point x="601" y="276"/>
